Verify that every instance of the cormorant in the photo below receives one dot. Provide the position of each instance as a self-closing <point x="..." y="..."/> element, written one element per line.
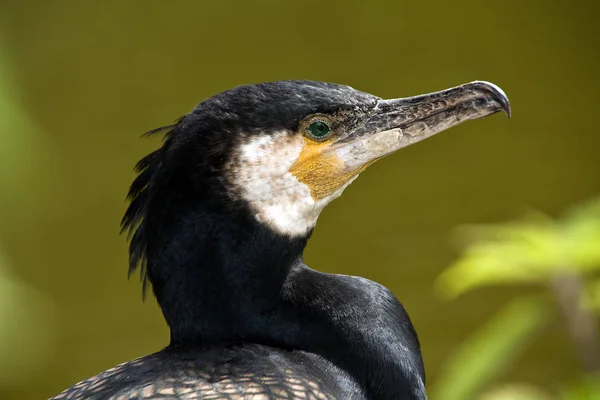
<point x="219" y="217"/>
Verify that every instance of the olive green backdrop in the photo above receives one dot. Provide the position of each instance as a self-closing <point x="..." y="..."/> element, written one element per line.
<point x="88" y="77"/>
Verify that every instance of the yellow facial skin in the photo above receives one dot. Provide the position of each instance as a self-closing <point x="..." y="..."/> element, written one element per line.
<point x="321" y="171"/>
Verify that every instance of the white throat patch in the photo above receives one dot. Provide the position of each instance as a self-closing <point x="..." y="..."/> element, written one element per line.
<point x="259" y="173"/>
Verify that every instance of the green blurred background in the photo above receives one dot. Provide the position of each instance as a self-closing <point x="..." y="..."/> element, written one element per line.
<point x="81" y="80"/>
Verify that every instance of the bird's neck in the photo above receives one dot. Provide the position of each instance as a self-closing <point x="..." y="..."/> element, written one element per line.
<point x="213" y="272"/>
<point x="223" y="277"/>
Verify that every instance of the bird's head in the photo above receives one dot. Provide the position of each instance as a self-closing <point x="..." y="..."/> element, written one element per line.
<point x="284" y="150"/>
<point x="289" y="148"/>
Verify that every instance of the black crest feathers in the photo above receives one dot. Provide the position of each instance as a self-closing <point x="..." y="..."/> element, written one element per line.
<point x="139" y="196"/>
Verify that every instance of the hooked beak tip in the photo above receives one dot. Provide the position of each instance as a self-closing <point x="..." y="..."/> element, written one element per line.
<point x="497" y="94"/>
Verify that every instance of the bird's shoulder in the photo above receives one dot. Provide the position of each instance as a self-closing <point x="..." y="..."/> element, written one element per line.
<point x="359" y="317"/>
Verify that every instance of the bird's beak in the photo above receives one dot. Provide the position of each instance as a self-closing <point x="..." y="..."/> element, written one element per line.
<point x="398" y="123"/>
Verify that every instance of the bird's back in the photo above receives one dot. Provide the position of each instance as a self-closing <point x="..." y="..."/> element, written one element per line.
<point x="224" y="372"/>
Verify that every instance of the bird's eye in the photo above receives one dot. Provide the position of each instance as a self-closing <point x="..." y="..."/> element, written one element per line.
<point x="319" y="129"/>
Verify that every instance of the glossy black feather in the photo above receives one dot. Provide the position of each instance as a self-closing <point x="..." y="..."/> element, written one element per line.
<point x="222" y="277"/>
<point x="139" y="195"/>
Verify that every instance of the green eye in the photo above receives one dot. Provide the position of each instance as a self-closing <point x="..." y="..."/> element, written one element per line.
<point x="318" y="129"/>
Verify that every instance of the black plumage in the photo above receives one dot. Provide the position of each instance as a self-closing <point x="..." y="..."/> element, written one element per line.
<point x="247" y="317"/>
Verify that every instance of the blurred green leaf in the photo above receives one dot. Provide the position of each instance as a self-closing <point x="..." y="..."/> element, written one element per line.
<point x="531" y="250"/>
<point x="591" y="297"/>
<point x="587" y="389"/>
<point x="582" y="228"/>
<point x="515" y="391"/>
<point x="489" y="350"/>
